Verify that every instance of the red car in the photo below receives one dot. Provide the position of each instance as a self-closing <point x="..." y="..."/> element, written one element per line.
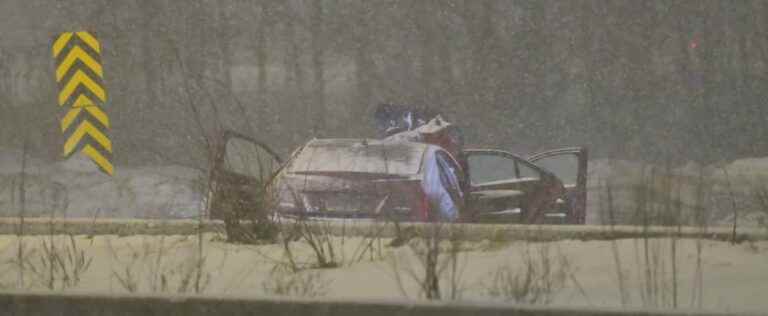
<point x="397" y="178"/>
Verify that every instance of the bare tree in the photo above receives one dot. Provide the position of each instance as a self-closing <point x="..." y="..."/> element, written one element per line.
<point x="317" y="112"/>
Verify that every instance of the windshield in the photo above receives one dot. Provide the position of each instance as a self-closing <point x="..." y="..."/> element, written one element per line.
<point x="356" y="156"/>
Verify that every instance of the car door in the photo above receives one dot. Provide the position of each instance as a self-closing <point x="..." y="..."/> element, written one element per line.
<point x="241" y="168"/>
<point x="501" y="185"/>
<point x="570" y="166"/>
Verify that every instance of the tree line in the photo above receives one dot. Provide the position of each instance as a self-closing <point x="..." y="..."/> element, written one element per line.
<point x="657" y="80"/>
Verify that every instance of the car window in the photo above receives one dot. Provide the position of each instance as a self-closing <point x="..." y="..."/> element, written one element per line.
<point x="527" y="171"/>
<point x="493" y="167"/>
<point x="484" y="168"/>
<point x="248" y="159"/>
<point x="565" y="166"/>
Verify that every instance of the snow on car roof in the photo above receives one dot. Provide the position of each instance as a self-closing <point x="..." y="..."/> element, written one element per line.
<point x="360" y="156"/>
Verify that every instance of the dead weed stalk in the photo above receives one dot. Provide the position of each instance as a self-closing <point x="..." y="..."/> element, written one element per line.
<point x="151" y="269"/>
<point x="439" y="268"/>
<point x="284" y="281"/>
<point x="541" y="276"/>
<point x="56" y="267"/>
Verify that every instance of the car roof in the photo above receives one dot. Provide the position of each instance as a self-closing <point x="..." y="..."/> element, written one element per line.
<point x="400" y="156"/>
<point x="369" y="141"/>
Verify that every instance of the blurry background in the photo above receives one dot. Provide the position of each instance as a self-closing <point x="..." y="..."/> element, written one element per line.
<point x="651" y="79"/>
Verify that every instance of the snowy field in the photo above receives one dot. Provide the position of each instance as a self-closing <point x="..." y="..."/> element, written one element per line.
<point x="74" y="188"/>
<point x="578" y="273"/>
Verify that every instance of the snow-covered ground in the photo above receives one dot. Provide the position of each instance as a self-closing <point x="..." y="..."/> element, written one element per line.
<point x="714" y="186"/>
<point x="732" y="277"/>
<point x="75" y="188"/>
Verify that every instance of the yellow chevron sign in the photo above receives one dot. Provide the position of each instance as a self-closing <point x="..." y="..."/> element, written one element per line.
<point x="81" y="91"/>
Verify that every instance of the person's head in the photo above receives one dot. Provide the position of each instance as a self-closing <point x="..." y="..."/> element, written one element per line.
<point x="389" y="119"/>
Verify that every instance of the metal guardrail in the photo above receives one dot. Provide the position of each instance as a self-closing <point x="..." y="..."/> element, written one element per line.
<point x="87" y="304"/>
<point x="471" y="232"/>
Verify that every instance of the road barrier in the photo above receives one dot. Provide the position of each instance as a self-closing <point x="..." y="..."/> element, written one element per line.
<point x="80" y="304"/>
<point x="470" y="232"/>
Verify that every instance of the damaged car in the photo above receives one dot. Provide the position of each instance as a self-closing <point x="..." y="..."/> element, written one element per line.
<point x="422" y="173"/>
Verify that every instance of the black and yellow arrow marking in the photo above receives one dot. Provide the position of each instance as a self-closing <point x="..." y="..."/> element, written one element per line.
<point x="81" y="82"/>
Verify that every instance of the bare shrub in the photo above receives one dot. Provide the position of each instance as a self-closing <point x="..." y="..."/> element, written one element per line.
<point x="760" y="198"/>
<point x="242" y="222"/>
<point x="151" y="269"/>
<point x="284" y="281"/>
<point x="327" y="241"/>
<point x="328" y="244"/>
<point x="319" y="238"/>
<point x="371" y="245"/>
<point x="22" y="214"/>
<point x="701" y="216"/>
<point x="127" y="279"/>
<point x="6" y="268"/>
<point x="653" y="284"/>
<point x="606" y="204"/>
<point x="439" y="267"/>
<point x="541" y="276"/>
<point x="192" y="276"/>
<point x="646" y="202"/>
<point x="657" y="200"/>
<point x="56" y="267"/>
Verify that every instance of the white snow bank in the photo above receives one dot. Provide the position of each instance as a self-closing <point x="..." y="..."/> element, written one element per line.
<point x="75" y="188"/>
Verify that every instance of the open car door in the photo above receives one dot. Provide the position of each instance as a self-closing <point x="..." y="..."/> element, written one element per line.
<point x="241" y="169"/>
<point x="570" y="166"/>
<point x="502" y="187"/>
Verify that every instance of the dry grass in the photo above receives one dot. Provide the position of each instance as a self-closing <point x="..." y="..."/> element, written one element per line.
<point x="156" y="267"/>
<point x="286" y="282"/>
<point x="438" y="268"/>
<point x="657" y="200"/>
<point x="540" y="277"/>
<point x="759" y="188"/>
<point x="329" y="252"/>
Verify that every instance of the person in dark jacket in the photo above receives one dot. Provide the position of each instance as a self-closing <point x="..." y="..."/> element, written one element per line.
<point x="394" y="118"/>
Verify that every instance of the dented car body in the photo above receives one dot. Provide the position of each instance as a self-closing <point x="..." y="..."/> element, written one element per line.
<point x="398" y="179"/>
<point x="366" y="178"/>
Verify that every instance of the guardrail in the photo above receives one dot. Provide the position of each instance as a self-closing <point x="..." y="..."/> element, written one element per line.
<point x="471" y="232"/>
<point x="82" y="304"/>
